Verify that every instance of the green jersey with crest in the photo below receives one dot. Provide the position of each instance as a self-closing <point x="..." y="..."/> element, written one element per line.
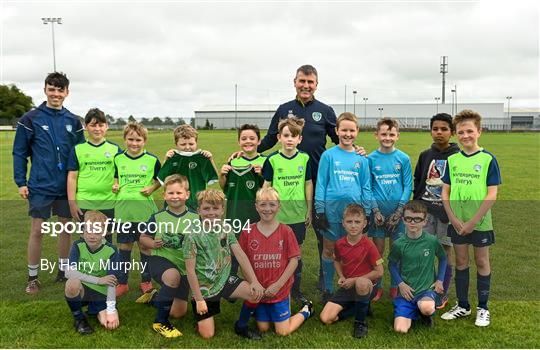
<point x="288" y="176"/>
<point x="172" y="229"/>
<point x="197" y="168"/>
<point x="240" y="189"/>
<point x="212" y="254"/>
<point x="416" y="260"/>
<point x="95" y="178"/>
<point x="133" y="175"/>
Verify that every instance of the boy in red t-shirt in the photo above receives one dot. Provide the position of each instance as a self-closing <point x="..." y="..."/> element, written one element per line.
<point x="273" y="251"/>
<point x="359" y="266"/>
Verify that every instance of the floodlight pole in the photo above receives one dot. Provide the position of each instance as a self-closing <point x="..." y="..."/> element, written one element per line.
<point x="354" y="101"/>
<point x="437" y="104"/>
<point x="508" y="98"/>
<point x="52" y="21"/>
<point x="365" y="110"/>
<point x="443" y="71"/>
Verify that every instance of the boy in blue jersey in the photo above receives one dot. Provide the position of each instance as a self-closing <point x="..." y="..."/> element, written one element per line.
<point x="391" y="185"/>
<point x="469" y="192"/>
<point x="91" y="170"/>
<point x="91" y="276"/>
<point x="343" y="179"/>
<point x="46" y="135"/>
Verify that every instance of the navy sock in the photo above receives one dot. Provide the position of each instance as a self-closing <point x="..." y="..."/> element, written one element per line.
<point x="462" y="288"/>
<point x="361" y="306"/>
<point x="447" y="278"/>
<point x="328" y="274"/>
<point x="75" y="305"/>
<point x="145" y="273"/>
<point x="245" y="315"/>
<point x="125" y="256"/>
<point x="297" y="278"/>
<point x="483" y="284"/>
<point x="164" y="302"/>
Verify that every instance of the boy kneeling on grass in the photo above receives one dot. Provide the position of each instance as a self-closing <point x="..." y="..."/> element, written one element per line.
<point x="412" y="265"/>
<point x="359" y="267"/>
<point x="91" y="279"/>
<point x="207" y="254"/>
<point x="273" y="252"/>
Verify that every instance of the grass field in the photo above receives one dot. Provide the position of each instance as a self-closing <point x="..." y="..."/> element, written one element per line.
<point x="45" y="321"/>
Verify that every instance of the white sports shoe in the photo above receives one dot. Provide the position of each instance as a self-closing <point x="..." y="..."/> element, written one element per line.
<point x="482" y="317"/>
<point x="457" y="312"/>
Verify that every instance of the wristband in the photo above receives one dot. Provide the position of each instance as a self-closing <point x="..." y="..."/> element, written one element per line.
<point x="111" y="307"/>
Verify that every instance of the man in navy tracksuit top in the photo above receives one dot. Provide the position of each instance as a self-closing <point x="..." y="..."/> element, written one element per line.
<point x="46" y="135"/>
<point x="320" y="121"/>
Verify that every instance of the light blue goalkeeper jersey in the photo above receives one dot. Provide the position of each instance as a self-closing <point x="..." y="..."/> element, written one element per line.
<point x="343" y="178"/>
<point x="391" y="179"/>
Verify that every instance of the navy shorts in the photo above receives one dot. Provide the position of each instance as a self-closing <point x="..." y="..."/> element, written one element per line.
<point x="409" y="309"/>
<point x="346" y="298"/>
<point x="476" y="238"/>
<point x="158" y="265"/>
<point x="273" y="312"/>
<point x="214" y="303"/>
<point x="40" y="206"/>
<point x="299" y="230"/>
<point x="128" y="235"/>
<point x="95" y="301"/>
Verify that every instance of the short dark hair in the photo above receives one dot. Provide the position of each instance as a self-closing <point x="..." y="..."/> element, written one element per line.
<point x="307" y="69"/>
<point x="415" y="206"/>
<point x="95" y="114"/>
<point x="253" y="127"/>
<point x="443" y="117"/>
<point x="57" y="79"/>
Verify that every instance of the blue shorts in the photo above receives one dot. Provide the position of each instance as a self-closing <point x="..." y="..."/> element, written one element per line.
<point x="40" y="206"/>
<point x="409" y="309"/>
<point x="95" y="301"/>
<point x="381" y="231"/>
<point x="273" y="312"/>
<point x="129" y="236"/>
<point x="335" y="231"/>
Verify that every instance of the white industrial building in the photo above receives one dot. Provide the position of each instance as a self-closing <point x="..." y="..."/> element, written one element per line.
<point x="495" y="115"/>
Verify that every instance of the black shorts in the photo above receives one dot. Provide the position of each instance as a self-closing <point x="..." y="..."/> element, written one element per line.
<point x="346" y="298"/>
<point x="299" y="230"/>
<point x="40" y="206"/>
<point x="95" y="301"/>
<point x="476" y="238"/>
<point x="214" y="303"/>
<point x="130" y="235"/>
<point x="158" y="265"/>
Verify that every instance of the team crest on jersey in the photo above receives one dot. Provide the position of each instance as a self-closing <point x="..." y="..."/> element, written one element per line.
<point x="107" y="154"/>
<point x="69" y="127"/>
<point x="477" y="167"/>
<point x="280" y="244"/>
<point x="254" y="244"/>
<point x="300" y="168"/>
<point x="426" y="252"/>
<point x="192" y="165"/>
<point x="357" y="165"/>
<point x="317" y="116"/>
<point x="144" y="167"/>
<point x="397" y="166"/>
<point x="250" y="184"/>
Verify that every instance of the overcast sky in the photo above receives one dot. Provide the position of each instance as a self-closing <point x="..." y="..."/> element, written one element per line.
<point x="169" y="58"/>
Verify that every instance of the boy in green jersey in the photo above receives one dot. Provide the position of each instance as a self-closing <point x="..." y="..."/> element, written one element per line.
<point x="135" y="180"/>
<point x="241" y="178"/>
<point x="91" y="170"/>
<point x="165" y="234"/>
<point x="207" y="254"/>
<point x="195" y="164"/>
<point x="91" y="276"/>
<point x="469" y="192"/>
<point x="412" y="265"/>
<point x="289" y="172"/>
